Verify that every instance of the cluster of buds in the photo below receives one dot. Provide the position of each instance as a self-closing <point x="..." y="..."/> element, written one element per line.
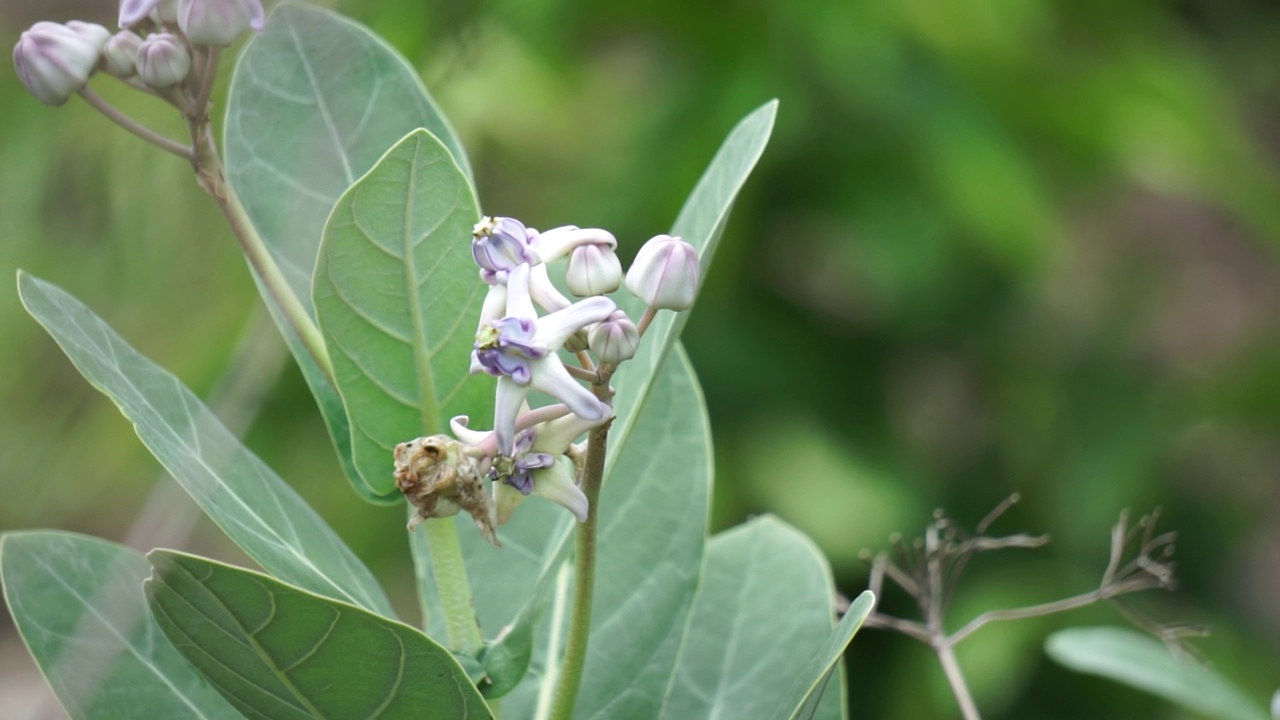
<point x="525" y="324"/>
<point x="159" y="44"/>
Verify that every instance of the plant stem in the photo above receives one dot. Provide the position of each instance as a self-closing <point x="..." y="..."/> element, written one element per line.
<point x="119" y="118"/>
<point x="955" y="678"/>
<point x="450" y="574"/>
<point x="212" y="177"/>
<point x="584" y="577"/>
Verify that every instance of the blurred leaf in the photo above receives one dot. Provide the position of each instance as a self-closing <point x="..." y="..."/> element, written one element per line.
<point x="257" y="510"/>
<point x="811" y="685"/>
<point x="315" y="101"/>
<point x="1145" y="663"/>
<point x="397" y="295"/>
<point x="700" y="223"/>
<point x="278" y="651"/>
<point x="77" y="602"/>
<point x="764" y="610"/>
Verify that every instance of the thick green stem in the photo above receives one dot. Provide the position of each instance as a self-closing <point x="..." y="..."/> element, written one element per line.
<point x="584" y="579"/>
<point x="212" y="177"/>
<point x="450" y="574"/>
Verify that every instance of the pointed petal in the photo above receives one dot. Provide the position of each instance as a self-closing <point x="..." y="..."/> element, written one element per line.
<point x="555" y="484"/>
<point x="505" y="500"/>
<point x="544" y="292"/>
<point x="495" y="305"/>
<point x="133" y="11"/>
<point x="510" y="396"/>
<point x="555" y="437"/>
<point x="551" y="377"/>
<point x="258" y="16"/>
<point x="555" y="328"/>
<point x="519" y="304"/>
<point x="555" y="244"/>
<point x="465" y="434"/>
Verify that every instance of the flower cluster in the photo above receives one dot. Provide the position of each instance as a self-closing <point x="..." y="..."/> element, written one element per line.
<point x="54" y="61"/>
<point x="526" y="323"/>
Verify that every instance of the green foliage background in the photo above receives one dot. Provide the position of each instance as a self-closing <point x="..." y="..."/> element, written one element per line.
<point x="994" y="246"/>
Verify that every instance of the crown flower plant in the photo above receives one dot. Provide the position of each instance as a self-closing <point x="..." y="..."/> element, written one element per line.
<point x="456" y="384"/>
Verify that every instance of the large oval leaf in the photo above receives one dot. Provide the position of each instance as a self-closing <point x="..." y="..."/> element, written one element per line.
<point x="1145" y="663"/>
<point x="398" y="298"/>
<point x="277" y="651"/>
<point x="257" y="510"/>
<point x="315" y="101"/>
<point x="763" y="613"/>
<point x="77" y="602"/>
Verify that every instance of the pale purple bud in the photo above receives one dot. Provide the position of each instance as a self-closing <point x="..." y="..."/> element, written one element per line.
<point x="54" y="61"/>
<point x="219" y="22"/>
<point x="163" y="61"/>
<point x="593" y="270"/>
<point x="120" y="56"/>
<point x="614" y="339"/>
<point x="500" y="244"/>
<point x="92" y="32"/>
<point x="665" y="273"/>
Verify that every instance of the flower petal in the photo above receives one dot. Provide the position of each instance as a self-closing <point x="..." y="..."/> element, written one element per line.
<point x="465" y="434"/>
<point x="544" y="292"/>
<point x="134" y="11"/>
<point x="554" y="437"/>
<point x="556" y="243"/>
<point x="555" y="328"/>
<point x="551" y="377"/>
<point x="519" y="304"/>
<point x="510" y="396"/>
<point x="555" y="484"/>
<point x="505" y="500"/>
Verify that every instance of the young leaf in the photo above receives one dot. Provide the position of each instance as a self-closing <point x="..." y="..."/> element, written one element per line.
<point x="257" y="510"/>
<point x="811" y="685"/>
<point x="277" y="651"/>
<point x="762" y="615"/>
<point x="700" y="223"/>
<point x="1145" y="663"/>
<point x="77" y="602"/>
<point x="315" y="101"/>
<point x="398" y="298"/>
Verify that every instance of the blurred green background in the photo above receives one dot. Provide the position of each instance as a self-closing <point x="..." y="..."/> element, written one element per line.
<point x="994" y="246"/>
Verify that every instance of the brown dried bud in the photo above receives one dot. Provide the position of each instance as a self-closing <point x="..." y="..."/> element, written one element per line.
<point x="438" y="479"/>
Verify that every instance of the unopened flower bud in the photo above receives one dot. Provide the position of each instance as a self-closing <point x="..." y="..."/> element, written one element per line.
<point x="593" y="270"/>
<point x="163" y="61"/>
<point x="120" y="56"/>
<point x="55" y="61"/>
<point x="219" y="22"/>
<point x="665" y="273"/>
<point x="614" y="339"/>
<point x="577" y="342"/>
<point x="92" y="32"/>
<point x="500" y="244"/>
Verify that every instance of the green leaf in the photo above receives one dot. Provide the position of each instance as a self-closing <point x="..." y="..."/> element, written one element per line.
<point x="1142" y="662"/>
<point x="398" y="297"/>
<point x="763" y="614"/>
<point x="78" y="604"/>
<point x="257" y="510"/>
<point x="811" y="685"/>
<point x="701" y="222"/>
<point x="315" y="101"/>
<point x="277" y="651"/>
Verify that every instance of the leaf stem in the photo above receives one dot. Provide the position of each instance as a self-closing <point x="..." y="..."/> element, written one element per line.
<point x="450" y="574"/>
<point x="955" y="678"/>
<point x="213" y="179"/>
<point x="584" y="565"/>
<point x="113" y="114"/>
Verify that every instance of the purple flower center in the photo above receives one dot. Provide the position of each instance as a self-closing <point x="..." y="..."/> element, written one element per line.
<point x="505" y="347"/>
<point x="517" y="471"/>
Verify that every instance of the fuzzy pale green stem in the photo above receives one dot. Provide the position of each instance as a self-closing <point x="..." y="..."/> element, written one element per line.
<point x="584" y="577"/>
<point x="212" y="177"/>
<point x="119" y="118"/>
<point x="450" y="574"/>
